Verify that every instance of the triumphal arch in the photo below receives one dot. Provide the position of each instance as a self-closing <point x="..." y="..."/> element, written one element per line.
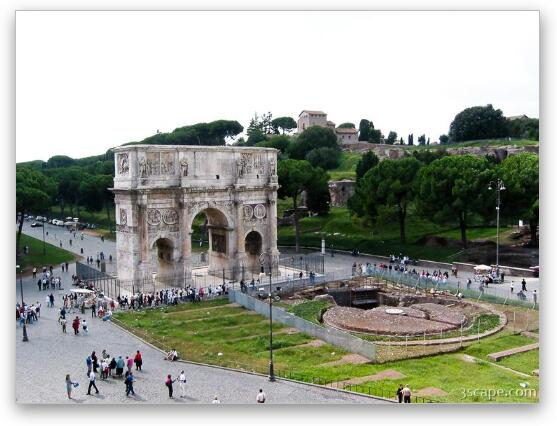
<point x="160" y="189"/>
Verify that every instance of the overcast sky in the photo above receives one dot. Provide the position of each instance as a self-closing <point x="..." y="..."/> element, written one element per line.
<point x="88" y="81"/>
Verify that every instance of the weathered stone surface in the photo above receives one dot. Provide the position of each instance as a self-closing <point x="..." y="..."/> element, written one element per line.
<point x="159" y="190"/>
<point x="326" y="297"/>
<point x="417" y="319"/>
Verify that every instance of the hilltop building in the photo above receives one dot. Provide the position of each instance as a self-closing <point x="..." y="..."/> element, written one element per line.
<point x="309" y="118"/>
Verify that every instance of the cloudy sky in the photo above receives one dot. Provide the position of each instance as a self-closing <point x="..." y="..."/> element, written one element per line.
<point x="88" y="81"/>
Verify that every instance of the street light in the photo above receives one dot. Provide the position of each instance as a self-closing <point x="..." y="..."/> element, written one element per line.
<point x="25" y="338"/>
<point x="262" y="274"/>
<point x="271" y="366"/>
<point x="499" y="186"/>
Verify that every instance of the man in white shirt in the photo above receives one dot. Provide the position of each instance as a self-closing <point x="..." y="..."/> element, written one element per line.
<point x="92" y="383"/>
<point x="260" y="398"/>
<point x="182" y="381"/>
<point x="216" y="400"/>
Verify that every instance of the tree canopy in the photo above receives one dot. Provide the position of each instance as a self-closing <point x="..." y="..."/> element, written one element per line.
<point x="391" y="138"/>
<point x="326" y="158"/>
<point x="347" y="125"/>
<point x="478" y="122"/>
<point x="390" y="184"/>
<point x="364" y="130"/>
<point x="312" y="138"/>
<point x="520" y="175"/>
<point x="283" y="124"/>
<point x="368" y="160"/>
<point x="296" y="176"/>
<point x="455" y="186"/>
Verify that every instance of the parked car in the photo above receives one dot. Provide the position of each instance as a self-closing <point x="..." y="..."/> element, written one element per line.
<point x="36" y="225"/>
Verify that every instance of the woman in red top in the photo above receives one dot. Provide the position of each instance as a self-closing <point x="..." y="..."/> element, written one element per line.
<point x="138" y="360"/>
<point x="75" y="325"/>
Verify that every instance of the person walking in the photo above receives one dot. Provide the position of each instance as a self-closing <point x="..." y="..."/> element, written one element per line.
<point x="182" y="382"/>
<point x="512" y="287"/>
<point x="535" y="296"/>
<point x="93" y="310"/>
<point x="129" y="364"/>
<point x="92" y="383"/>
<point x="406" y="394"/>
<point x="111" y="366"/>
<point x="63" y="321"/>
<point x="129" y="389"/>
<point x="70" y="385"/>
<point x="35" y="273"/>
<point x="138" y="360"/>
<point x="75" y="326"/>
<point x="94" y="359"/>
<point x="119" y="366"/>
<point x="399" y="393"/>
<point x="261" y="397"/>
<point x="89" y="362"/>
<point x="169" y="384"/>
<point x="523" y="284"/>
<point x="51" y="297"/>
<point x="85" y="326"/>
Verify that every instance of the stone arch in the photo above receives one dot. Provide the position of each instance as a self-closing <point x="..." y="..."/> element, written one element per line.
<point x="220" y="236"/>
<point x="254" y="248"/>
<point x="164" y="250"/>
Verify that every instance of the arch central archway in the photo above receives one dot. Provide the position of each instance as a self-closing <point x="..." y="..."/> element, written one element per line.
<point x="214" y="232"/>
<point x="254" y="248"/>
<point x="164" y="250"/>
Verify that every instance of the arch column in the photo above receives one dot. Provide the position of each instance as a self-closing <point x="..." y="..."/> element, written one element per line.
<point x="186" y="244"/>
<point x="240" y="241"/>
<point x="273" y="249"/>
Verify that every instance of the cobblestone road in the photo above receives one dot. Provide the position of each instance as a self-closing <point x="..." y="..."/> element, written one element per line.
<point x="43" y="362"/>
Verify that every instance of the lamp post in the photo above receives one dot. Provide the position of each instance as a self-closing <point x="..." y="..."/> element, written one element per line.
<point x="44" y="242"/>
<point x="498" y="186"/>
<point x="271" y="366"/>
<point x="25" y="338"/>
<point x="262" y="274"/>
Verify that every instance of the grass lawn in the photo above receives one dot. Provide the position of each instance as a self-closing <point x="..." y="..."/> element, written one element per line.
<point x="311" y="311"/>
<point x="346" y="232"/>
<point x="525" y="362"/>
<point x="347" y="166"/>
<point x="479" y="143"/>
<point x="54" y="255"/>
<point x="200" y="331"/>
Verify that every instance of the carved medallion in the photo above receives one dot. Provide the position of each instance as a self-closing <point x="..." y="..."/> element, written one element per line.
<point x="248" y="211"/>
<point x="260" y="211"/>
<point x="153" y="217"/>
<point x="170" y="217"/>
<point x="123" y="217"/>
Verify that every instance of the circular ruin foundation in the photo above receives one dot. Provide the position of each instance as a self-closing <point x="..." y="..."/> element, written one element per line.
<point x="413" y="320"/>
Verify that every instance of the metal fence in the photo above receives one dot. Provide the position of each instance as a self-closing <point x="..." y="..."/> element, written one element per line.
<point x="330" y="335"/>
<point x="307" y="263"/>
<point x="487" y="294"/>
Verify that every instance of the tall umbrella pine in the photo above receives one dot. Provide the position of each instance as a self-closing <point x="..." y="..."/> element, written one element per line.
<point x="454" y="188"/>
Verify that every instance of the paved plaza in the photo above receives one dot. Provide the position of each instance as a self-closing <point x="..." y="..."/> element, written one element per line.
<point x="338" y="266"/>
<point x="43" y="362"/>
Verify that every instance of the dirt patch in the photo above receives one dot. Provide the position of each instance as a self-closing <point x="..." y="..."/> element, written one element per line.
<point x="382" y="375"/>
<point x="346" y="359"/>
<point x="430" y="391"/>
<point x="312" y="344"/>
<point x="290" y="330"/>
<point x="467" y="358"/>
